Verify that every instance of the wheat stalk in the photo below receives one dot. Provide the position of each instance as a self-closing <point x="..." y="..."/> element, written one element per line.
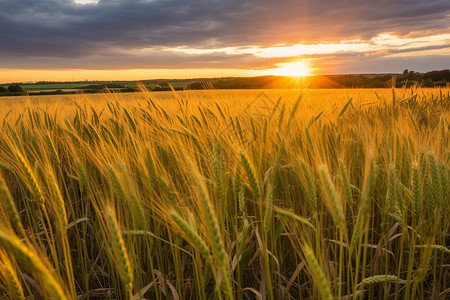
<point x="436" y="179"/>
<point x="379" y="279"/>
<point x="416" y="191"/>
<point x="346" y="181"/>
<point x="119" y="251"/>
<point x="213" y="231"/>
<point x="269" y="209"/>
<point x="59" y="203"/>
<point x="28" y="258"/>
<point x="9" y="275"/>
<point x="365" y="206"/>
<point x="31" y="180"/>
<point x="335" y="205"/>
<point x="194" y="238"/>
<point x="11" y="208"/>
<point x="254" y="185"/>
<point x="310" y="186"/>
<point x="318" y="275"/>
<point x="393" y="208"/>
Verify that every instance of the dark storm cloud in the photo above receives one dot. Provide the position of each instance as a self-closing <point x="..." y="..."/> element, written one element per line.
<point x="60" y="28"/>
<point x="149" y="60"/>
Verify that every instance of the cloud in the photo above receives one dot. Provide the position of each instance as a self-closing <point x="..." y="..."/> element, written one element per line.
<point x="118" y="34"/>
<point x="150" y="59"/>
<point x="382" y="64"/>
<point x="65" y="29"/>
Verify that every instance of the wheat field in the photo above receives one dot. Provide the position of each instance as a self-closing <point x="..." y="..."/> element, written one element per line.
<point x="251" y="194"/>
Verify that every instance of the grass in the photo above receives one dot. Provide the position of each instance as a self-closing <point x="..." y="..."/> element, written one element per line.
<point x="280" y="194"/>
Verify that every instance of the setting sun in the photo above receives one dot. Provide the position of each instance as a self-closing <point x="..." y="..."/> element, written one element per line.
<point x="297" y="69"/>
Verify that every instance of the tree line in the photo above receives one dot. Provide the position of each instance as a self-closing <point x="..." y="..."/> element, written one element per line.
<point x="13" y="88"/>
<point x="436" y="78"/>
<point x="429" y="79"/>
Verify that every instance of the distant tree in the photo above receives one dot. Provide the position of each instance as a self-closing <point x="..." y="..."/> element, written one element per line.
<point x="3" y="89"/>
<point x="15" y="88"/>
<point x="428" y="83"/>
<point x="410" y="75"/>
<point x="438" y="75"/>
<point x="128" y="90"/>
<point x="196" y="86"/>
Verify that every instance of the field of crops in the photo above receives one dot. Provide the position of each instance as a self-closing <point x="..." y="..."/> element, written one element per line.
<point x="276" y="194"/>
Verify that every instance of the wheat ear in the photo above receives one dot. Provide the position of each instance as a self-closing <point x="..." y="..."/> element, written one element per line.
<point x="318" y="276"/>
<point x="21" y="252"/>
<point x="119" y="251"/>
<point x="194" y="238"/>
<point x="11" y="208"/>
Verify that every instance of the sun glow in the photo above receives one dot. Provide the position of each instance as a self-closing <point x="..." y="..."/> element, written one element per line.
<point x="297" y="69"/>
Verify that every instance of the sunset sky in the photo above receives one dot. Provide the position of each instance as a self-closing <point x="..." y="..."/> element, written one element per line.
<point x="65" y="40"/>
